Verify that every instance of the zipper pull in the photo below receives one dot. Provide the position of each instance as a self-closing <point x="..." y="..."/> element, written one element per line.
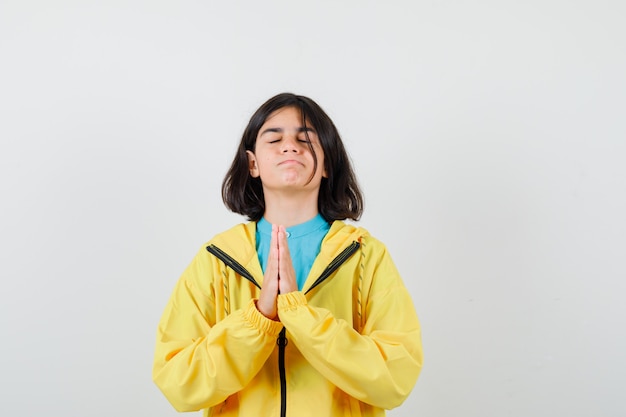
<point x="282" y="339"/>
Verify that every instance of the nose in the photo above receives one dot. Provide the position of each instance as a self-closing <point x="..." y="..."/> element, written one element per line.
<point x="290" y="144"/>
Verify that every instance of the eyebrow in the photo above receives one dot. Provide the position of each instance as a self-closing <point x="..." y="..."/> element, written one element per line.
<point x="281" y="130"/>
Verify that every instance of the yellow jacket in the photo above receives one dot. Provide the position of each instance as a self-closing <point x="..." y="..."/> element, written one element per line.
<point x="350" y="345"/>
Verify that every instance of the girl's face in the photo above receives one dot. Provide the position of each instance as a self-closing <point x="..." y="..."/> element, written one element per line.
<point x="282" y="158"/>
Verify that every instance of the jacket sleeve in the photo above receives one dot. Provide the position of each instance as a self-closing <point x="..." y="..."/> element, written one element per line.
<point x="198" y="363"/>
<point x="378" y="365"/>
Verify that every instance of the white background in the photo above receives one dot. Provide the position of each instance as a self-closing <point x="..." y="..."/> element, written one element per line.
<point x="489" y="138"/>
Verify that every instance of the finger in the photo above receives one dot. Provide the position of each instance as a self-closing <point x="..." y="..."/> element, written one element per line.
<point x="274" y="254"/>
<point x="286" y="272"/>
<point x="282" y="239"/>
<point x="269" y="291"/>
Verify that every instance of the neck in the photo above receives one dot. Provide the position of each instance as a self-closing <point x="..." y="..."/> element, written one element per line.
<point x="289" y="210"/>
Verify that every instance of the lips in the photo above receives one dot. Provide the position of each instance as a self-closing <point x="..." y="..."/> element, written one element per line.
<point x="290" y="162"/>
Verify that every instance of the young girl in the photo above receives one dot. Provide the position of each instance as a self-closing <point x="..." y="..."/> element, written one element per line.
<point x="294" y="313"/>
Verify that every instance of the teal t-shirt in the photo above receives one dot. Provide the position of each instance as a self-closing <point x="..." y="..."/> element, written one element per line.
<point x="304" y="240"/>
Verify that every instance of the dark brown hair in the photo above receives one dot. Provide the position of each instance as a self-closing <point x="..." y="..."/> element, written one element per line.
<point x="339" y="195"/>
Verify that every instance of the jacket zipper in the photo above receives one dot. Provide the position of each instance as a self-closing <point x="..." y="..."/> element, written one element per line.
<point x="235" y="266"/>
<point x="282" y="343"/>
<point x="335" y="263"/>
<point x="282" y="338"/>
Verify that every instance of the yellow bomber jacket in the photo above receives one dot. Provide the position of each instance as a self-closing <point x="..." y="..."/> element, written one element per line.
<point x="348" y="344"/>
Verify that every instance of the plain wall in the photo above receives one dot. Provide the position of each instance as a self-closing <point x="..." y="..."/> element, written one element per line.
<point x="489" y="138"/>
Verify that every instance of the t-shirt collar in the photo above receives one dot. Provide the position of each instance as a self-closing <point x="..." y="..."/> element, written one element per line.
<point x="316" y="223"/>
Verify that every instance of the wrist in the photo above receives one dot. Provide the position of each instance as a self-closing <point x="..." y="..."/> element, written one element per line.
<point x="265" y="314"/>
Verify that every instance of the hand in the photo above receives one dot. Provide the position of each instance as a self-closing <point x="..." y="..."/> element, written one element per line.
<point x="280" y="277"/>
<point x="286" y="274"/>
<point x="269" y="291"/>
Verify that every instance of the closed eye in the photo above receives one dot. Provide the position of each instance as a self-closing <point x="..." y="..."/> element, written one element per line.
<point x="278" y="140"/>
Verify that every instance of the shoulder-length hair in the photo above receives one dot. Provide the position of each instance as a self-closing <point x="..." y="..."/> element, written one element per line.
<point x="339" y="196"/>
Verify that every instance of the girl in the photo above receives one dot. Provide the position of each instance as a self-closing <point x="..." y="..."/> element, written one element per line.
<point x="295" y="312"/>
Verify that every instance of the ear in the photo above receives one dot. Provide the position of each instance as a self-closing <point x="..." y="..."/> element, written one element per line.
<point x="252" y="165"/>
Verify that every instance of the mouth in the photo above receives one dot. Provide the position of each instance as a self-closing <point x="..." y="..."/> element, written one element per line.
<point x="290" y="162"/>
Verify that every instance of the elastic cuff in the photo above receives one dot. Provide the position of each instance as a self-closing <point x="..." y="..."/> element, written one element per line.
<point x="258" y="320"/>
<point x="291" y="300"/>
